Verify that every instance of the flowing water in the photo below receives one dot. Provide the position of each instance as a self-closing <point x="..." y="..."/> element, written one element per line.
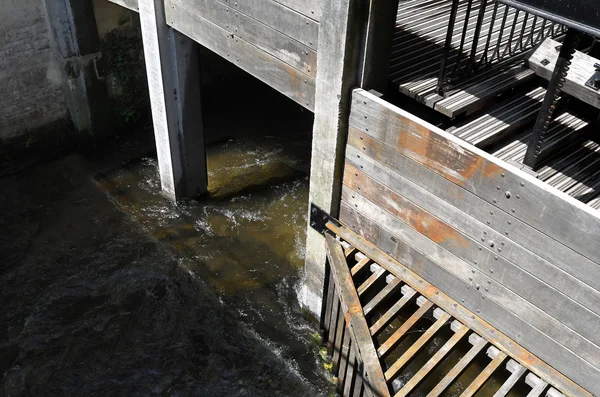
<point x="108" y="288"/>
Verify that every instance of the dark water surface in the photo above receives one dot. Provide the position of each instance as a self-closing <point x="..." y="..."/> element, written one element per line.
<point x="107" y="288"/>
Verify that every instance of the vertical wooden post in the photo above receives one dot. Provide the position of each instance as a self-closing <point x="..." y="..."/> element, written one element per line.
<point x="379" y="34"/>
<point x="354" y="50"/>
<point x="77" y="45"/>
<point x="338" y="67"/>
<point x="173" y="68"/>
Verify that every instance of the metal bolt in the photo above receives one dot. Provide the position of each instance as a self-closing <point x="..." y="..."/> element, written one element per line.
<point x="480" y="248"/>
<point x="483" y="239"/>
<point x="496" y="257"/>
<point x="489" y="281"/>
<point x="518" y="196"/>
<point x="512" y="210"/>
<point x="495" y="201"/>
<point x="488" y="222"/>
<point x="477" y="287"/>
<point x="491" y="212"/>
<point x="502" y="175"/>
<point x="507" y="194"/>
<point x="545" y="62"/>
<point x="498" y="187"/>
<point x="492" y="244"/>
<point x="522" y="184"/>
<point x="486" y="289"/>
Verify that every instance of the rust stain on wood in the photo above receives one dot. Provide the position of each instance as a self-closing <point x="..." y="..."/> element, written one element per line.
<point x="295" y="82"/>
<point x="422" y="221"/>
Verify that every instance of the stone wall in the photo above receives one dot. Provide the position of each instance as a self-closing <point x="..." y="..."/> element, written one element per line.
<point x="30" y="80"/>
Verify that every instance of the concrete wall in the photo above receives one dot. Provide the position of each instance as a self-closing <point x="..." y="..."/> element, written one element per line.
<point x="31" y="91"/>
<point x="30" y="80"/>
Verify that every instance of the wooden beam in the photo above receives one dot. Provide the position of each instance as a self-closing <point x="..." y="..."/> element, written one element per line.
<point x="352" y="309"/>
<point x="584" y="373"/>
<point x="543" y="59"/>
<point x="380" y="28"/>
<point x="173" y="69"/>
<point x="340" y="35"/>
<point x="260" y="64"/>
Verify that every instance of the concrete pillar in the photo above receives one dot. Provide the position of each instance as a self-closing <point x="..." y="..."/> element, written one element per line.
<point x="340" y="31"/>
<point x="173" y="68"/>
<point x="75" y="33"/>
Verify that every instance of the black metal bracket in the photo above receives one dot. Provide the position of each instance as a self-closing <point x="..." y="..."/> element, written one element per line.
<point x="594" y="81"/>
<point x="319" y="219"/>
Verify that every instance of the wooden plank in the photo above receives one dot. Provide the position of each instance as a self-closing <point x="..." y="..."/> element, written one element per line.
<point x="375" y="152"/>
<point x="351" y="372"/>
<point x="279" y="17"/>
<point x="328" y="309"/>
<point x="538" y="389"/>
<point x="543" y="60"/>
<point x="543" y="207"/>
<point x="273" y="42"/>
<point x="333" y="324"/>
<point x="394" y="339"/>
<point x="344" y="361"/>
<point x="458" y="368"/>
<point x="519" y="330"/>
<point x="309" y="8"/>
<point x="510" y="382"/>
<point x="352" y="308"/>
<point x="501" y="307"/>
<point x="478" y="229"/>
<point x="129" y="4"/>
<point x="382" y="295"/>
<point x="173" y="72"/>
<point x="416" y="347"/>
<point x="339" y="335"/>
<point x="360" y="265"/>
<point x="384" y="320"/>
<point x="276" y="73"/>
<point x="487" y="260"/>
<point x="432" y="362"/>
<point x="484" y="375"/>
<point x="373" y="278"/>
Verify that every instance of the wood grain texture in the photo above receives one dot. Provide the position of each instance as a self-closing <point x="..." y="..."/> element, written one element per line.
<point x="253" y="31"/>
<point x="481" y="256"/>
<point x="281" y="18"/>
<point x="352" y="309"/>
<point x="274" y="72"/>
<point x="309" y="8"/>
<point x="374" y="153"/>
<point x="556" y="214"/>
<point x="406" y="246"/>
<point x="470" y="305"/>
<point x="580" y="71"/>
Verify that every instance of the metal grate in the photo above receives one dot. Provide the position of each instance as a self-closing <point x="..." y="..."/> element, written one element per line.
<point x="482" y="33"/>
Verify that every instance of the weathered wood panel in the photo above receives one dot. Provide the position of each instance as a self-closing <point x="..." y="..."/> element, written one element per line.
<point x="516" y="193"/>
<point x="479" y="242"/>
<point x="274" y="72"/>
<point x="281" y="18"/>
<point x="519" y="232"/>
<point x="518" y="253"/>
<point x="549" y="350"/>
<point x="254" y="32"/>
<point x="310" y="8"/>
<point x="130" y="4"/>
<point x="543" y="61"/>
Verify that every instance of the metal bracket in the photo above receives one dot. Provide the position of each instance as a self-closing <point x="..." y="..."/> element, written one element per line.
<point x="319" y="219"/>
<point x="594" y="81"/>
